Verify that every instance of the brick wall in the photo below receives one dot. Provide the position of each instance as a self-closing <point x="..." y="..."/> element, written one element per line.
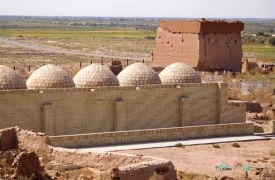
<point x="79" y="110"/>
<point x="152" y="135"/>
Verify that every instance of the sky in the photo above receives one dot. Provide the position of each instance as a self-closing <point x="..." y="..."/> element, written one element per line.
<point x="141" y="8"/>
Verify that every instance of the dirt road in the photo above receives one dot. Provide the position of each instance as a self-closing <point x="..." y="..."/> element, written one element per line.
<point x="204" y="159"/>
<point x="39" y="48"/>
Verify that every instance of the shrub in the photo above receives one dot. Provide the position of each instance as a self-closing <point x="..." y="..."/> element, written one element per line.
<point x="179" y="145"/>
<point x="150" y="37"/>
<point x="216" y="146"/>
<point x="235" y="145"/>
<point x="260" y="33"/>
<point x="272" y="41"/>
<point x="261" y="41"/>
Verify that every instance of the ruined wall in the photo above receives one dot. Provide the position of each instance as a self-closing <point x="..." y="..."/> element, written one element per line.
<point x="203" y="45"/>
<point x="125" y="166"/>
<point x="8" y="139"/>
<point x="202" y="26"/>
<point x="79" y="110"/>
<point x="220" y="51"/>
<point x="152" y="135"/>
<point x="27" y="165"/>
<point x="121" y="166"/>
<point x="175" y="47"/>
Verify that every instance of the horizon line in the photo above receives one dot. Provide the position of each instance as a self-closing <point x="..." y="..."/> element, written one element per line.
<point x="147" y="17"/>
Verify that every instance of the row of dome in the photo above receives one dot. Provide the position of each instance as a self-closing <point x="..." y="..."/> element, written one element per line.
<point x="51" y="76"/>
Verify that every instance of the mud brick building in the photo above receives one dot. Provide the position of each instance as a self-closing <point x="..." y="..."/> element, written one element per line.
<point x="203" y="45"/>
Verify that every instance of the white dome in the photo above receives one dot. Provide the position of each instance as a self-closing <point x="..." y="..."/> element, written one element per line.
<point x="95" y="75"/>
<point x="9" y="79"/>
<point x="179" y="73"/>
<point x="138" y="74"/>
<point x="49" y="76"/>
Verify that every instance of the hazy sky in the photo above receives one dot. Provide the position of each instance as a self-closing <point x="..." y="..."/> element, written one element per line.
<point x="142" y="8"/>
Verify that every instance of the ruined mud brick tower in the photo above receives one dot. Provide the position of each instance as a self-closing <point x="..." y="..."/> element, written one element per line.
<point x="203" y="45"/>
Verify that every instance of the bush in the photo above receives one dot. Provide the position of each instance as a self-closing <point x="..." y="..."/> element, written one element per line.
<point x="235" y="145"/>
<point x="216" y="146"/>
<point x="150" y="37"/>
<point x="179" y="145"/>
<point x="261" y="41"/>
<point x="272" y="41"/>
<point x="260" y="34"/>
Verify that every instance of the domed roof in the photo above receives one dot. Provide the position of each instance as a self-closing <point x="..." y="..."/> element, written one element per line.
<point x="50" y="76"/>
<point x="138" y="74"/>
<point x="179" y="73"/>
<point x="9" y="79"/>
<point x="95" y="75"/>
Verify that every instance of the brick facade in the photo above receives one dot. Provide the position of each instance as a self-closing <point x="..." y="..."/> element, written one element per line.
<point x="104" y="109"/>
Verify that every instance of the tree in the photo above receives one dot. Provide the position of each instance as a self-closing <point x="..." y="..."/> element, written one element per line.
<point x="261" y="41"/>
<point x="272" y="41"/>
<point x="260" y="33"/>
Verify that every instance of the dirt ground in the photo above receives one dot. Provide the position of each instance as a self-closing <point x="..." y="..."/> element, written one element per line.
<point x="204" y="159"/>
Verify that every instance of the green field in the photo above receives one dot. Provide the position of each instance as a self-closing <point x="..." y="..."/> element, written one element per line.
<point x="60" y="33"/>
<point x="115" y="36"/>
<point x="265" y="53"/>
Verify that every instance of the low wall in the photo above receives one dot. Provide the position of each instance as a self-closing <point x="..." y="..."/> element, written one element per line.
<point x="117" y="165"/>
<point x="152" y="135"/>
<point x="268" y="129"/>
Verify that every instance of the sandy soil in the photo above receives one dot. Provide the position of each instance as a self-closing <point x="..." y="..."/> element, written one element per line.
<point x="203" y="159"/>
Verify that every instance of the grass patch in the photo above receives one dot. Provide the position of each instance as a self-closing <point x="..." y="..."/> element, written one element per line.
<point x="235" y="145"/>
<point x="215" y="145"/>
<point x="179" y="145"/>
<point x="61" y="33"/>
<point x="261" y="52"/>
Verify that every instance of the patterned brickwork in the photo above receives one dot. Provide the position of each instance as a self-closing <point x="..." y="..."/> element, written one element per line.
<point x="50" y="76"/>
<point x="64" y="111"/>
<point x="95" y="75"/>
<point x="152" y="135"/>
<point x="179" y="73"/>
<point x="9" y="79"/>
<point x="138" y="74"/>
